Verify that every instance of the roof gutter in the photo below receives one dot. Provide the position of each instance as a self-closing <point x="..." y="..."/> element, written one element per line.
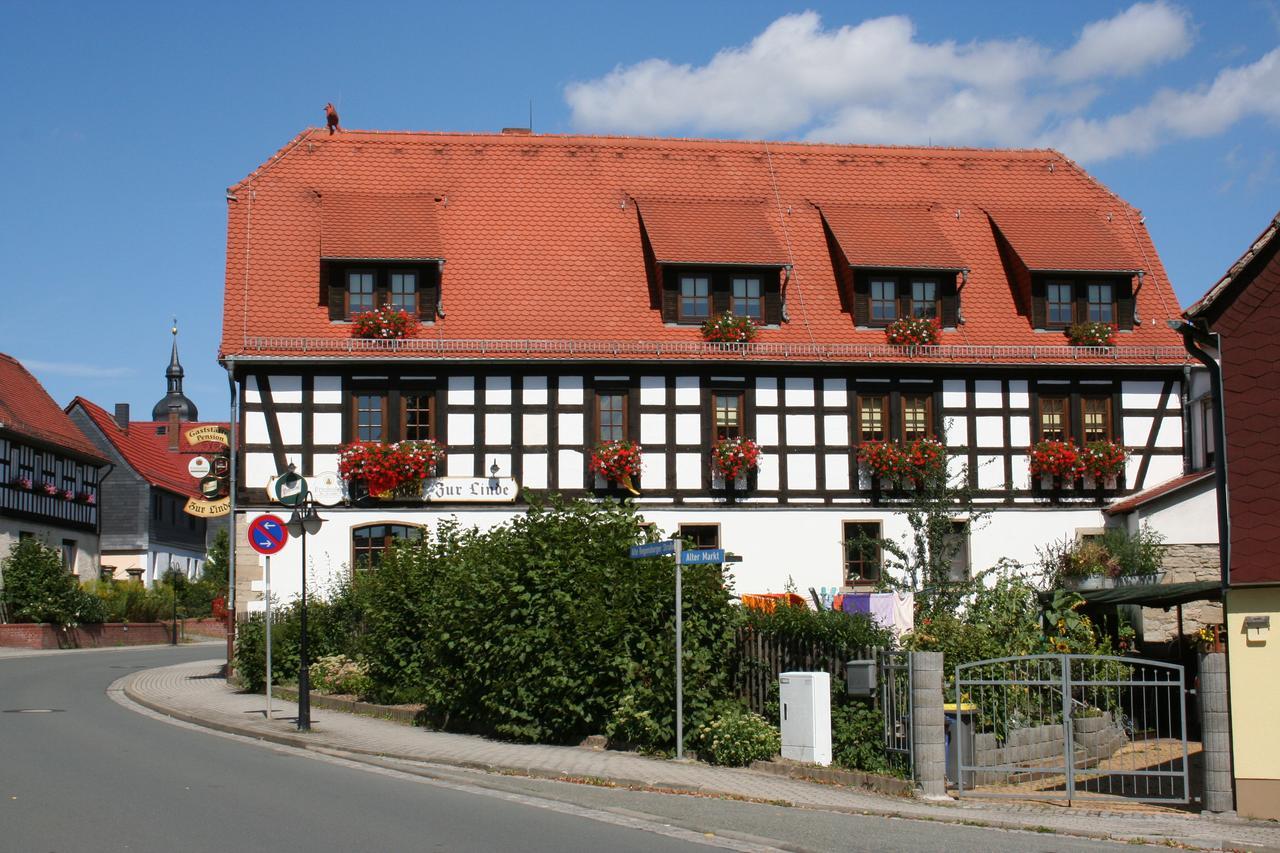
<point x="1195" y="340"/>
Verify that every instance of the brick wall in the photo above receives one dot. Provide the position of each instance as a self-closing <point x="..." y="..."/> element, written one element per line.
<point x="45" y="636"/>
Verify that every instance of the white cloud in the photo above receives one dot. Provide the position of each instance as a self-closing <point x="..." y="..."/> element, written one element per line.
<point x="1145" y="34"/>
<point x="876" y="82"/>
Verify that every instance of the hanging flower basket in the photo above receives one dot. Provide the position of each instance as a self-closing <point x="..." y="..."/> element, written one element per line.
<point x="733" y="457"/>
<point x="384" y="323"/>
<point x="618" y="461"/>
<point x="1092" y="334"/>
<point x="727" y="329"/>
<point x="913" y="332"/>
<point x="1103" y="460"/>
<point x="1055" y="459"/>
<point x="390" y="470"/>
<point x="23" y="483"/>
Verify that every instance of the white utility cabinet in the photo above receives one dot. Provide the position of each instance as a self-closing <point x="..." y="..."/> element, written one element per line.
<point x="805" y="703"/>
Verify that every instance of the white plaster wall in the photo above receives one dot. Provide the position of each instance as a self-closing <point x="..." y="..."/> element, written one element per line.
<point x="497" y="429"/>
<point x="799" y="391"/>
<point x="1186" y="518"/>
<point x="653" y="391"/>
<point x="459" y="464"/>
<point x="767" y="430"/>
<point x="251" y="392"/>
<point x="290" y="427"/>
<point x="327" y="390"/>
<point x="535" y="429"/>
<point x="688" y="429"/>
<point x="835" y="392"/>
<point x="286" y="389"/>
<point x="569" y="425"/>
<point x="653" y="429"/>
<point x="688" y="470"/>
<point x="255" y="428"/>
<point x="956" y="430"/>
<point x="987" y="394"/>
<point x="570" y="391"/>
<point x="953" y="396"/>
<point x="800" y="429"/>
<point x="534" y="390"/>
<point x="837" y="472"/>
<point x="687" y="391"/>
<point x="990" y="431"/>
<point x="535" y="471"/>
<point x="802" y="471"/>
<point x="87" y="554"/>
<point x="462" y="428"/>
<point x="835" y="429"/>
<point x="497" y="390"/>
<point x="1143" y="394"/>
<point x="570" y="469"/>
<point x="1019" y="398"/>
<point x="462" y="391"/>
<point x="767" y="472"/>
<point x="653" y="471"/>
<point x="327" y="427"/>
<point x="766" y="391"/>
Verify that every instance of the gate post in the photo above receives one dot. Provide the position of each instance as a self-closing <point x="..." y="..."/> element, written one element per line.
<point x="928" y="728"/>
<point x="1215" y="733"/>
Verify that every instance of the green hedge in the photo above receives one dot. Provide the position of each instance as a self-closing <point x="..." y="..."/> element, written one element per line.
<point x="38" y="588"/>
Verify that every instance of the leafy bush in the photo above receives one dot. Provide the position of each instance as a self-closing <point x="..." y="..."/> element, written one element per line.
<point x="857" y="736"/>
<point x="734" y="737"/>
<point x="130" y="601"/>
<point x="340" y="674"/>
<point x="38" y="588"/>
<point x="848" y="631"/>
<point x="332" y="629"/>
<point x="1116" y="553"/>
<point x="542" y="629"/>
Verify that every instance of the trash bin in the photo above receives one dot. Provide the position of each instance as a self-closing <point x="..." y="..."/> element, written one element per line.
<point x="959" y="724"/>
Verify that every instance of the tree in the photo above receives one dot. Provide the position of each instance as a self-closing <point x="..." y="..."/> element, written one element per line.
<point x="39" y="588"/>
<point x="216" y="570"/>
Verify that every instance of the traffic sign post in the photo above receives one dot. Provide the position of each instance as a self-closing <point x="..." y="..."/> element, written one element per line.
<point x="267" y="535"/>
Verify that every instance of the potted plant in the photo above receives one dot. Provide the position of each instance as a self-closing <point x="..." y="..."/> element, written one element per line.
<point x="384" y="323"/>
<point x="1103" y="461"/>
<point x="390" y="470"/>
<point x="86" y="498"/>
<point x="1088" y="565"/>
<point x="1091" y="334"/>
<point x="727" y="329"/>
<point x="913" y="331"/>
<point x="882" y="459"/>
<point x="68" y="495"/>
<point x="1054" y="460"/>
<point x="49" y="488"/>
<point x="924" y="459"/>
<point x="732" y="458"/>
<point x="22" y="482"/>
<point x="1140" y="555"/>
<point x="617" y="461"/>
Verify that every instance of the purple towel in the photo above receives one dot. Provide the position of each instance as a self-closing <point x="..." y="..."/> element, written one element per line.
<point x="858" y="602"/>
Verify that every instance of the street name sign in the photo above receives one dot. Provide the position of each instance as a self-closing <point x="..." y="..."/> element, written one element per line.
<point x="704" y="557"/>
<point x="653" y="549"/>
<point x="267" y="534"/>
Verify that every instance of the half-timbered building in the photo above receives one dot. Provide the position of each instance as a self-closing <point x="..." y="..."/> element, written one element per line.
<point x="560" y="283"/>
<point x="49" y="473"/>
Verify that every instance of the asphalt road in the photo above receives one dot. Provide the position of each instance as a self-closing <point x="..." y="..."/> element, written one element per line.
<point x="85" y="773"/>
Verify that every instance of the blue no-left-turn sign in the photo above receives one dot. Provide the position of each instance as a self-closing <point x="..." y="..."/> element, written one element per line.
<point x="267" y="534"/>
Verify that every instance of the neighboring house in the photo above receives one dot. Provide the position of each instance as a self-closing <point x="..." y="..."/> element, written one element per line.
<point x="49" y="473"/>
<point x="145" y="531"/>
<point x="561" y="281"/>
<point x="1243" y="312"/>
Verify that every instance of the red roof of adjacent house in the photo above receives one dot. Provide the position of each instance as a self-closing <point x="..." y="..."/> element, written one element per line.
<point x="27" y="410"/>
<point x="903" y="237"/>
<point x="543" y="238"/>
<point x="145" y="447"/>
<point x="1146" y="496"/>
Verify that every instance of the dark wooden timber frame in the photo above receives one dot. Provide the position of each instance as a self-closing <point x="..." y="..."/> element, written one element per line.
<point x="891" y="381"/>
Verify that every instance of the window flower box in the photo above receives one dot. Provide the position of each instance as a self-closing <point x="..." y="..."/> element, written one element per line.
<point x="618" y="462"/>
<point x="1093" y="334"/>
<point x="68" y="495"/>
<point x="86" y="498"/>
<point x="734" y="458"/>
<point x="49" y="489"/>
<point x="1103" y="460"/>
<point x="727" y="329"/>
<point x="390" y="470"/>
<point x="384" y="323"/>
<point x="1055" y="461"/>
<point x="913" y="332"/>
<point x="23" y="483"/>
<point x="920" y="461"/>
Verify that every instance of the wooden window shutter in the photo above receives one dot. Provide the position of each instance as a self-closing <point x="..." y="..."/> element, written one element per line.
<point x="1125" y="305"/>
<point x="950" y="299"/>
<point x="428" y="291"/>
<point x="861" y="301"/>
<point x="670" y="296"/>
<point x="1038" y="313"/>
<point x="720" y="293"/>
<point x="337" y="287"/>
<point x="1080" y="296"/>
<point x="772" y="301"/>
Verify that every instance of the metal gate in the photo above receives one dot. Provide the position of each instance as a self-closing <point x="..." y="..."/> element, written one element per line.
<point x="895" y="705"/>
<point x="1070" y="727"/>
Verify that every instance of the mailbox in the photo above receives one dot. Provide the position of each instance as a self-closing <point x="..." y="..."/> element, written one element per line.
<point x="860" y="677"/>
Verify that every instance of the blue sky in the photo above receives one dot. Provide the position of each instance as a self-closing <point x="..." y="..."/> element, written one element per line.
<point x="124" y="123"/>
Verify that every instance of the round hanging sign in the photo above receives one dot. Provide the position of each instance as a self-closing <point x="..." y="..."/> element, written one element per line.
<point x="198" y="467"/>
<point x="290" y="489"/>
<point x="326" y="488"/>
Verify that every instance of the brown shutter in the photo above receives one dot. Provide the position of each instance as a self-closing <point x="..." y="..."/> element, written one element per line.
<point x="1124" y="305"/>
<point x="772" y="300"/>
<point x="950" y="299"/>
<point x="1038" y="314"/>
<point x="670" y="297"/>
<point x="428" y="291"/>
<point x="337" y="294"/>
<point x="861" y="300"/>
<point x="324" y="284"/>
<point x="1080" y="294"/>
<point x="721" y="293"/>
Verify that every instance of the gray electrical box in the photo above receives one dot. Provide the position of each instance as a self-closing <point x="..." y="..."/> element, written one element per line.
<point x="860" y="677"/>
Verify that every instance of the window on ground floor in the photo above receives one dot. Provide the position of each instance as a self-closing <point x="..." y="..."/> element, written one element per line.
<point x="701" y="535"/>
<point x="861" y="553"/>
<point x="956" y="551"/>
<point x="371" y="541"/>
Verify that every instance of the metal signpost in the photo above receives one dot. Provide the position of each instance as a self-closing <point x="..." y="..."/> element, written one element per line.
<point x="706" y="556"/>
<point x="267" y="535"/>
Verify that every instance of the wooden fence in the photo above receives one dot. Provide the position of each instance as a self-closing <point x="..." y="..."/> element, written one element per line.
<point x="760" y="657"/>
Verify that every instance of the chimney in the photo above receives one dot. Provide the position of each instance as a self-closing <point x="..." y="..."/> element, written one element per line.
<point x="122" y="416"/>
<point x="517" y="131"/>
<point x="174" y="426"/>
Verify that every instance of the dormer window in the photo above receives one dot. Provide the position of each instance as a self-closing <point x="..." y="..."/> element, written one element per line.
<point x="924" y="299"/>
<point x="352" y="288"/>
<point x="880" y="297"/>
<point x="360" y="292"/>
<point x="695" y="298"/>
<point x="692" y="295"/>
<point x="1102" y="303"/>
<point x="1059" y="300"/>
<point x="884" y="301"/>
<point x="747" y="298"/>
<point x="404" y="291"/>
<point x="1059" y="303"/>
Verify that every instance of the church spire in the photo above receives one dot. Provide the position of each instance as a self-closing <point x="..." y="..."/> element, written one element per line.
<point x="173" y="380"/>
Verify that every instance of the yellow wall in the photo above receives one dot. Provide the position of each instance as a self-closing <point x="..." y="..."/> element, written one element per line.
<point x="1255" y="683"/>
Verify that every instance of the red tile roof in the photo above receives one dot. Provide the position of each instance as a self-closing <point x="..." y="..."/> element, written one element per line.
<point x="369" y="226"/>
<point x="545" y="254"/>
<point x="1146" y="496"/>
<point x="27" y="411"/>
<point x="146" y="450"/>
<point x="711" y="232"/>
<point x="1067" y="239"/>
<point x="891" y="237"/>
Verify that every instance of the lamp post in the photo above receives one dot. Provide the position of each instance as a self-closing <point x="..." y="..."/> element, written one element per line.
<point x="300" y="524"/>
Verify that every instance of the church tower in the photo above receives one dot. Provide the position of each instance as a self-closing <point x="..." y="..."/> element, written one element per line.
<point x="173" y="378"/>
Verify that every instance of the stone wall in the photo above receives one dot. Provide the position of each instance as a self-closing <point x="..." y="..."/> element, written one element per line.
<point x="1184" y="563"/>
<point x="1095" y="738"/>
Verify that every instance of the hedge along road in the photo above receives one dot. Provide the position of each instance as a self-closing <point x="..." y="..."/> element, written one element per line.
<point x="91" y="774"/>
<point x="79" y="772"/>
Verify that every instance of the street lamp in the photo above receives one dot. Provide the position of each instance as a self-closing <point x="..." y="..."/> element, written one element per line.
<point x="300" y="524"/>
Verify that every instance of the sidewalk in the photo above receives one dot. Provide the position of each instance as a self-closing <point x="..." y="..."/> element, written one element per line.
<point x="194" y="693"/>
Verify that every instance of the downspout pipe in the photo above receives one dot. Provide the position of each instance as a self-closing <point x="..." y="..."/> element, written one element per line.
<point x="1195" y="339"/>
<point x="231" y="519"/>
